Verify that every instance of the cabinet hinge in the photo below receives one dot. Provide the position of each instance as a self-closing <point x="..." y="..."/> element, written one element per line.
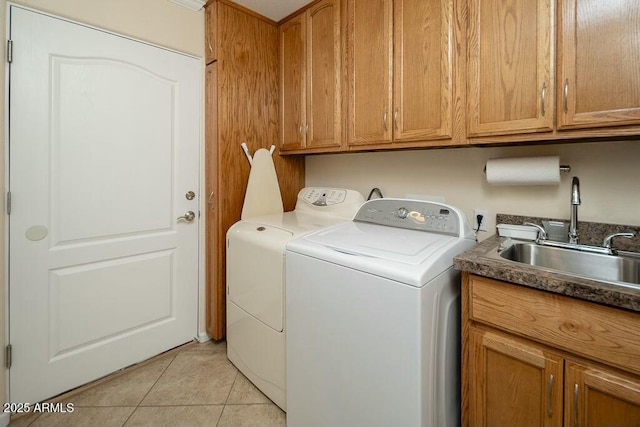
<point x="8" y="356"/>
<point x="9" y="51"/>
<point x="8" y="202"/>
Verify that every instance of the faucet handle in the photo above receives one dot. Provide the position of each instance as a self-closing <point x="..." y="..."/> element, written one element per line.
<point x="542" y="233"/>
<point x="609" y="239"/>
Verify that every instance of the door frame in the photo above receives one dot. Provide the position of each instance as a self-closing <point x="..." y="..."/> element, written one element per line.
<point x="200" y="331"/>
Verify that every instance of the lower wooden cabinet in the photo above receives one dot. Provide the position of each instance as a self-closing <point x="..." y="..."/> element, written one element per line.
<point x="597" y="396"/>
<point x="519" y="369"/>
<point x="512" y="382"/>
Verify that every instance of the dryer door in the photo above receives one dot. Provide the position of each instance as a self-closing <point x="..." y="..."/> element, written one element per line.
<point x="255" y="270"/>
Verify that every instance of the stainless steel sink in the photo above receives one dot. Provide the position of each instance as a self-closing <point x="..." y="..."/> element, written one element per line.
<point x="615" y="269"/>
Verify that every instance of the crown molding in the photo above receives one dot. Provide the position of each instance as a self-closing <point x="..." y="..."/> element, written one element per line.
<point x="190" y="4"/>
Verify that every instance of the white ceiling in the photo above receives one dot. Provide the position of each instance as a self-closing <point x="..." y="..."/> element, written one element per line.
<point x="273" y="9"/>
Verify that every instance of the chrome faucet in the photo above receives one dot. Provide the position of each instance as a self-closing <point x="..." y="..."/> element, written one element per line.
<point x="575" y="202"/>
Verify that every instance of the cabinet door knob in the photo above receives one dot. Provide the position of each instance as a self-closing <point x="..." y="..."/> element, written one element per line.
<point x="384" y="119"/>
<point x="543" y="94"/>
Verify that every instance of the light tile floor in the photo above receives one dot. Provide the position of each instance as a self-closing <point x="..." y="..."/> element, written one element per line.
<point x="194" y="385"/>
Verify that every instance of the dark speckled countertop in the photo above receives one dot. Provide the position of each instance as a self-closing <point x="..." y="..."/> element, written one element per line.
<point x="477" y="262"/>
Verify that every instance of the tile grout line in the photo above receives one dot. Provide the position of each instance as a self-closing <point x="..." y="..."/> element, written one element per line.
<point x="224" y="405"/>
<point x="151" y="388"/>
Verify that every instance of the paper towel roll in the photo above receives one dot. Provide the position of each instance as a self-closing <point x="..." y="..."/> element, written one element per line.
<point x="524" y="171"/>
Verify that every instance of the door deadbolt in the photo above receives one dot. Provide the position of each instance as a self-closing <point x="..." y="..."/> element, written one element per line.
<point x="190" y="195"/>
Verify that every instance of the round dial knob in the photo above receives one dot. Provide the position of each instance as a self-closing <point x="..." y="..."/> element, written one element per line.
<point x="402" y="213"/>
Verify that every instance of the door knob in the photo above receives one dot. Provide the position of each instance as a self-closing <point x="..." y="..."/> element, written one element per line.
<point x="189" y="216"/>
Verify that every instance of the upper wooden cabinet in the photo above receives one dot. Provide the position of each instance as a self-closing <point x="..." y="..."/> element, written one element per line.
<point x="369" y="69"/>
<point x="510" y="79"/>
<point x="518" y="83"/>
<point x="598" y="63"/>
<point x="401" y="66"/>
<point x="310" y="78"/>
<point x="210" y="38"/>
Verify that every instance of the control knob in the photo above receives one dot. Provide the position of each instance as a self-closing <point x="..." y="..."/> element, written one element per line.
<point x="402" y="213"/>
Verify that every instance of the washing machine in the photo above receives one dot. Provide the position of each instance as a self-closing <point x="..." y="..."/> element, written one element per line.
<point x="256" y="282"/>
<point x="373" y="318"/>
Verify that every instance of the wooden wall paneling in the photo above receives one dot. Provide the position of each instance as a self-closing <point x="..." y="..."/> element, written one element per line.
<point x="210" y="26"/>
<point x="211" y="192"/>
<point x="247" y="111"/>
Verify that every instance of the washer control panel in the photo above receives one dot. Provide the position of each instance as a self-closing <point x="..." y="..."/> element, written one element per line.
<point x="412" y="214"/>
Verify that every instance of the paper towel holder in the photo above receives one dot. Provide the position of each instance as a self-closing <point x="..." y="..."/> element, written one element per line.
<point x="563" y="169"/>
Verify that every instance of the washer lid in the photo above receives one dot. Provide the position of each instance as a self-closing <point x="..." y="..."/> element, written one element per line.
<point x="379" y="241"/>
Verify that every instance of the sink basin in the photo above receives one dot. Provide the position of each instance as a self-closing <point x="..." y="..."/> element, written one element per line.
<point x="615" y="269"/>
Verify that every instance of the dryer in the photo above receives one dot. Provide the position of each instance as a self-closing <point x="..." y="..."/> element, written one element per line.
<point x="373" y="324"/>
<point x="256" y="282"/>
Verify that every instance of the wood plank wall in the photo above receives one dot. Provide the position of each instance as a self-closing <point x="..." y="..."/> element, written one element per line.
<point x="247" y="75"/>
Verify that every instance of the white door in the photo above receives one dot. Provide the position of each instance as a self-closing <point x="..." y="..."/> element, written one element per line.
<point x="103" y="146"/>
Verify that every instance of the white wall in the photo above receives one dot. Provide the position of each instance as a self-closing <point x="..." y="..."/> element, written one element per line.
<point x="156" y="21"/>
<point x="609" y="175"/>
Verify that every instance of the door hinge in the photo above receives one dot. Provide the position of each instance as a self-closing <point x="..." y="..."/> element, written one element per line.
<point x="8" y="202"/>
<point x="7" y="356"/>
<point x="9" y="51"/>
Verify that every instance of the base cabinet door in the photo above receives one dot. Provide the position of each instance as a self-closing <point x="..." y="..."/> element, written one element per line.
<point x="513" y="383"/>
<point x="597" y="396"/>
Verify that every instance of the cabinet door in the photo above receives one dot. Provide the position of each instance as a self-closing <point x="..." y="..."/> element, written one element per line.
<point x="423" y="69"/>
<point x="512" y="382"/>
<point x="596" y="396"/>
<point x="293" y="84"/>
<point x="510" y="85"/>
<point x="323" y="75"/>
<point x="369" y="71"/>
<point x="599" y="63"/>
<point x="210" y="32"/>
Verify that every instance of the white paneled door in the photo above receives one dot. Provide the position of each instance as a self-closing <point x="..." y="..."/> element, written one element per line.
<point x="104" y="144"/>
